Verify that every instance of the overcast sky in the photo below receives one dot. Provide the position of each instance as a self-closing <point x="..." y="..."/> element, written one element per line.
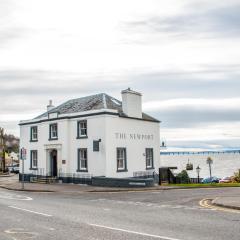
<point x="183" y="55"/>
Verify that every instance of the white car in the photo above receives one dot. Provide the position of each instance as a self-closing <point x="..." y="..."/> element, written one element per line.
<point x="225" y="180"/>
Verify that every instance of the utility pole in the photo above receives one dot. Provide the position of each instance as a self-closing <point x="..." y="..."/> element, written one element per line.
<point x="2" y="148"/>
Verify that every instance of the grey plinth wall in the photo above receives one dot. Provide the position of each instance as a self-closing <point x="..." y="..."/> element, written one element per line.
<point x="122" y="182"/>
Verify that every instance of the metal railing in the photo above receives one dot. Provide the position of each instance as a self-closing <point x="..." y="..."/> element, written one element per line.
<point x="77" y="178"/>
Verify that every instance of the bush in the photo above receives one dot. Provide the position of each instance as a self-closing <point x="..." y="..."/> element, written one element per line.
<point x="183" y="177"/>
<point x="236" y="177"/>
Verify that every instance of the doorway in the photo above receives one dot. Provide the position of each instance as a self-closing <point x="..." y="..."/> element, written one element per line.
<point x="53" y="163"/>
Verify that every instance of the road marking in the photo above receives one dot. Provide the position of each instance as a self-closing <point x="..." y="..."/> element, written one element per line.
<point x="133" y="232"/>
<point x="152" y="205"/>
<point x="26" y="210"/>
<point x="16" y="232"/>
<point x="206" y="203"/>
<point x="11" y="196"/>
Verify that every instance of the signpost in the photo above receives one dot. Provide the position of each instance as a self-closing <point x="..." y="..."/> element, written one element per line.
<point x="23" y="155"/>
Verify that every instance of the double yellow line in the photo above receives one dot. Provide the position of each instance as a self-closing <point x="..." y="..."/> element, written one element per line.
<point x="207" y="203"/>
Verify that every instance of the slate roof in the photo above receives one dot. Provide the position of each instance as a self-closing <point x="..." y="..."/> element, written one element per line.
<point x="93" y="102"/>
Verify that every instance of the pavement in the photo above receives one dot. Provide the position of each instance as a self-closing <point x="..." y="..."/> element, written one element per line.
<point x="232" y="202"/>
<point x="164" y="215"/>
<point x="12" y="183"/>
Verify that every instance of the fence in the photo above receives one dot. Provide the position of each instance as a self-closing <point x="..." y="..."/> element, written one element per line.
<point x="146" y="174"/>
<point x="191" y="180"/>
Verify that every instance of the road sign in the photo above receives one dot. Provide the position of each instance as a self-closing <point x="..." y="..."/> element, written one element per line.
<point x="23" y="153"/>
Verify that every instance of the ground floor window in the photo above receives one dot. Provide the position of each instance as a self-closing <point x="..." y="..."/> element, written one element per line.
<point x="82" y="160"/>
<point x="149" y="158"/>
<point x="34" y="159"/>
<point x="121" y="159"/>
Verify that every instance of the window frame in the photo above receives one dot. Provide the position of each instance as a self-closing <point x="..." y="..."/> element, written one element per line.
<point x="50" y="131"/>
<point x="149" y="157"/>
<point x="79" y="167"/>
<point x="32" y="166"/>
<point x="79" y="135"/>
<point x="124" y="168"/>
<point x="31" y="134"/>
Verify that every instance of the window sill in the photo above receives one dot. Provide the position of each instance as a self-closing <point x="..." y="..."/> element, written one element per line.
<point x="82" y="170"/>
<point x="150" y="168"/>
<point x="81" y="137"/>
<point x="33" y="140"/>
<point x="33" y="168"/>
<point x="122" y="170"/>
<point x="52" y="139"/>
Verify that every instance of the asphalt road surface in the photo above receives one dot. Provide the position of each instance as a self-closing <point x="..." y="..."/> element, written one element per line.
<point x="166" y="215"/>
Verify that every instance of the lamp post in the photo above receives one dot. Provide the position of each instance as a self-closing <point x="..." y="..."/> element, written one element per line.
<point x="198" y="169"/>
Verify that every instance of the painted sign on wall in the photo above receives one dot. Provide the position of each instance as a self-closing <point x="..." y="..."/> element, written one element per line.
<point x="134" y="136"/>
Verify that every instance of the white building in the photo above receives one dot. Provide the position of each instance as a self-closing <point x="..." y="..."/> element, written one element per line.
<point x="98" y="135"/>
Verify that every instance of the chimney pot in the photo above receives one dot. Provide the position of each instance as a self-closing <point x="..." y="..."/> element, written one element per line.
<point x="50" y="105"/>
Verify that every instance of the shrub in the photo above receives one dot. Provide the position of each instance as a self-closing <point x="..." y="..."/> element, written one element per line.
<point x="236" y="177"/>
<point x="183" y="177"/>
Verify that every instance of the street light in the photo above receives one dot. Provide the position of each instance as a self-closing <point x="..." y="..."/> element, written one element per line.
<point x="198" y="169"/>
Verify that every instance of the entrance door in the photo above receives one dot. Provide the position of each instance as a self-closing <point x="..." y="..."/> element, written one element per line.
<point x="54" y="169"/>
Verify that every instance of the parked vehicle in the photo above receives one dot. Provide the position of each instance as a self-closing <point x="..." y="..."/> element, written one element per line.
<point x="225" y="180"/>
<point x="210" y="180"/>
<point x="13" y="169"/>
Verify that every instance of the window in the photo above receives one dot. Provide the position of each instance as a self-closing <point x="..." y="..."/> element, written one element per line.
<point x="121" y="160"/>
<point x="53" y="131"/>
<point x="34" y="134"/>
<point x="34" y="159"/>
<point x="82" y="160"/>
<point x="82" y="129"/>
<point x="149" y="158"/>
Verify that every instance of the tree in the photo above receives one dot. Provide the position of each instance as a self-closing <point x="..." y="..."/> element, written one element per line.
<point x="210" y="162"/>
<point x="183" y="177"/>
<point x="236" y="177"/>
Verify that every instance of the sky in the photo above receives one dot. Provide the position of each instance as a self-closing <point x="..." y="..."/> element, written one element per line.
<point x="182" y="55"/>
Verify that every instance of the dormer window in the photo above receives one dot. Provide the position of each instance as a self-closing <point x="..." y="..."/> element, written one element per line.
<point x="34" y="134"/>
<point x="82" y="129"/>
<point x="53" y="131"/>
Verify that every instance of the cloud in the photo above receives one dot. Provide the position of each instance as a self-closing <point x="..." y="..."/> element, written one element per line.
<point x="10" y="29"/>
<point x="196" y="20"/>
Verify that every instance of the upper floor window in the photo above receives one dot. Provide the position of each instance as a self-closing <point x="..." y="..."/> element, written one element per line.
<point x="82" y="160"/>
<point x="53" y="131"/>
<point x="149" y="158"/>
<point x="82" y="129"/>
<point x="121" y="159"/>
<point x="34" y="134"/>
<point x="34" y="159"/>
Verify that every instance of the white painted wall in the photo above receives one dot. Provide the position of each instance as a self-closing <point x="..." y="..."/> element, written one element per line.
<point x="104" y="127"/>
<point x="224" y="164"/>
<point x="135" y="148"/>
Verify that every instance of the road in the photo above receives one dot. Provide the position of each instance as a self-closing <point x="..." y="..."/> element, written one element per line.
<point x="166" y="215"/>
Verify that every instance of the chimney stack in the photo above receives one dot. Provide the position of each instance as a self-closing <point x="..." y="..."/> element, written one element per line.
<point x="50" y="106"/>
<point x="132" y="103"/>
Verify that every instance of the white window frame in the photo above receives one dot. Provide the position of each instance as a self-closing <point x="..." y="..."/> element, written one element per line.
<point x="121" y="159"/>
<point x="34" y="159"/>
<point x="82" y="157"/>
<point x="149" y="158"/>
<point x="53" y="131"/>
<point x="34" y="138"/>
<point x="82" y="128"/>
